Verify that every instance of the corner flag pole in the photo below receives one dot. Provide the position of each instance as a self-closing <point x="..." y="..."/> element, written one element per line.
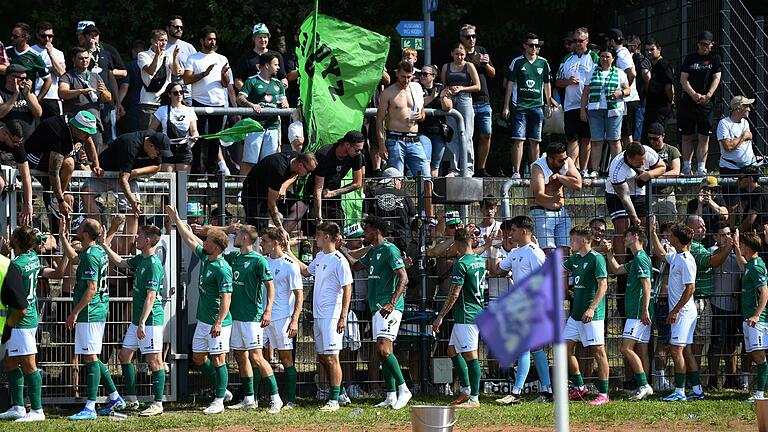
<point x="560" y="354"/>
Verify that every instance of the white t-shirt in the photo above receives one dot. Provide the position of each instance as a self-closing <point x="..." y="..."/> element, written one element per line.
<point x="145" y="58"/>
<point x="523" y="261"/>
<point x="186" y="49"/>
<point x="581" y="67"/>
<point x="682" y="271"/>
<point x="622" y="82"/>
<point x="624" y="61"/>
<point x="286" y="276"/>
<point x="209" y="91"/>
<point x="295" y="130"/>
<point x="499" y="285"/>
<point x="181" y="117"/>
<point x="546" y="170"/>
<point x="53" y="92"/>
<point x="743" y="155"/>
<point x="620" y="172"/>
<point x="332" y="273"/>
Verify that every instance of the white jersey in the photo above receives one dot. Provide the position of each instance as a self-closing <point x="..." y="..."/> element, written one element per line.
<point x="580" y="67"/>
<point x="286" y="275"/>
<point x="209" y="91"/>
<point x="332" y="273"/>
<point x="499" y="285"/>
<point x="624" y="61"/>
<point x="621" y="172"/>
<point x="523" y="261"/>
<point x="53" y="92"/>
<point x="682" y="271"/>
<point x="741" y="156"/>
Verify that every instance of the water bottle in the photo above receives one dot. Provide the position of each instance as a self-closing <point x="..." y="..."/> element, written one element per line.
<point x="305" y="251"/>
<point x="356" y="412"/>
<point x="488" y="387"/>
<point x="116" y="416"/>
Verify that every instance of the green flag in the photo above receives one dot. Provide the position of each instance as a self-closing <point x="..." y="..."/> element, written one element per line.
<point x="237" y="132"/>
<point x="340" y="65"/>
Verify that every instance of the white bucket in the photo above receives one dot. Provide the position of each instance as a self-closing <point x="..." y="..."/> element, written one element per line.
<point x="425" y="418"/>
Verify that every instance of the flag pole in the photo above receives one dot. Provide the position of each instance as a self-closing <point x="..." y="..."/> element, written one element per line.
<point x="559" y="351"/>
<point x="311" y="123"/>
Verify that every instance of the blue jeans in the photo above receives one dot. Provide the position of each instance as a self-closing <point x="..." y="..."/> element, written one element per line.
<point x="462" y="145"/>
<point x="639" y="117"/>
<point x="551" y="227"/>
<point x="527" y="123"/>
<point x="402" y="153"/>
<point x="434" y="148"/>
<point x="602" y="127"/>
<point x="483" y="118"/>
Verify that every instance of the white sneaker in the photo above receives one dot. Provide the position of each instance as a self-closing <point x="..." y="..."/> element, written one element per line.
<point x="641" y="393"/>
<point x="153" y="410"/>
<point x="243" y="405"/>
<point x="32" y="416"/>
<point x="344" y="400"/>
<point x="330" y="406"/>
<point x="275" y="406"/>
<point x="402" y="399"/>
<point x="387" y="403"/>
<point x="515" y="176"/>
<point x="14" y="413"/>
<point x="289" y="406"/>
<point x="214" y="408"/>
<point x="228" y="396"/>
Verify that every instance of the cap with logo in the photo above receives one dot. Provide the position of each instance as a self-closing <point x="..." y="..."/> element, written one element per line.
<point x="81" y="25"/>
<point x="740" y="102"/>
<point x="195" y="209"/>
<point x="260" y="28"/>
<point x="390" y="174"/>
<point x="709" y="182"/>
<point x="85" y="121"/>
<point x="162" y="143"/>
<point x="353" y="231"/>
<point x="452" y="218"/>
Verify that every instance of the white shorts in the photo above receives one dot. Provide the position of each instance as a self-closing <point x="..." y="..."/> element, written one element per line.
<point x="682" y="331"/>
<point x="464" y="337"/>
<point x="246" y="335"/>
<point x="635" y="330"/>
<point x="152" y="342"/>
<point x="22" y="342"/>
<point x="202" y="342"/>
<point x="754" y="339"/>
<point x="388" y="327"/>
<point x="88" y="337"/>
<point x="277" y="334"/>
<point x="589" y="334"/>
<point x="327" y="340"/>
<point x="258" y="145"/>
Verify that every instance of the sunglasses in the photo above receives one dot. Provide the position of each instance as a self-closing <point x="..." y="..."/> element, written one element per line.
<point x="530" y="45"/>
<point x="177" y="27"/>
<point x="45" y="36"/>
<point x="469" y="36"/>
<point x="16" y="36"/>
<point x="20" y="77"/>
<point x="423" y="74"/>
<point x="177" y="93"/>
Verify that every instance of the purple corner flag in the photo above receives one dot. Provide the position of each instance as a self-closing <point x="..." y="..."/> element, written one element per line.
<point x="529" y="315"/>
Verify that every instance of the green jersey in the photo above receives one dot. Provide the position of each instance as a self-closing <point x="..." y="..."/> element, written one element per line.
<point x="585" y="271"/>
<point x="31" y="60"/>
<point x="528" y="79"/>
<point x="755" y="277"/>
<point x="705" y="280"/>
<point x="29" y="265"/>
<point x="149" y="277"/>
<point x="382" y="261"/>
<point x="469" y="272"/>
<point x="92" y="267"/>
<point x="250" y="272"/>
<point x="215" y="279"/>
<point x="638" y="269"/>
<point x="265" y="93"/>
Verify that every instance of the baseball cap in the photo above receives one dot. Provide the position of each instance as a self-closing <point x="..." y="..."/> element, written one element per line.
<point x="194" y="209"/>
<point x="613" y="34"/>
<point x="353" y="231"/>
<point x="162" y="143"/>
<point x="452" y="218"/>
<point x="709" y="182"/>
<point x="389" y="174"/>
<point x="81" y="25"/>
<point x="85" y="121"/>
<point x="656" y="129"/>
<point x="260" y="28"/>
<point x="353" y="136"/>
<point x="706" y="36"/>
<point x="15" y="68"/>
<point x="740" y="102"/>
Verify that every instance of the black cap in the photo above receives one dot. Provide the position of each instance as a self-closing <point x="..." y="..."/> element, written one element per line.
<point x="90" y="29"/>
<point x="162" y="143"/>
<point x="706" y="36"/>
<point x="15" y="68"/>
<point x="353" y="136"/>
<point x="656" y="129"/>
<point x="613" y="34"/>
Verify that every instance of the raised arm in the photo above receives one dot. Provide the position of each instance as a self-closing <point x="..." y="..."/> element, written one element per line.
<point x="184" y="230"/>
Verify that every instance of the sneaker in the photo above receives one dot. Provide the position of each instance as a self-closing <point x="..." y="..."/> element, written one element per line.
<point x="242" y="405"/>
<point x="685" y="172"/>
<point x="460" y="400"/>
<point x="214" y="408"/>
<point x="481" y="173"/>
<point x="275" y="406"/>
<point x="692" y="395"/>
<point x="592" y="174"/>
<point x="576" y="394"/>
<point x="387" y="403"/>
<point x="344" y="400"/>
<point x="355" y="392"/>
<point x="515" y="176"/>
<point x="751" y="400"/>
<point x="228" y="396"/>
<point x="509" y="399"/>
<point x="153" y="410"/>
<point x="85" y="414"/>
<point x="289" y="406"/>
<point x="330" y="406"/>
<point x="32" y="416"/>
<point x="673" y="397"/>
<point x="641" y="393"/>
<point x="600" y="400"/>
<point x="469" y="404"/>
<point x="131" y="406"/>
<point x="544" y="397"/>
<point x="113" y="405"/>
<point x="402" y="399"/>
<point x="14" y="413"/>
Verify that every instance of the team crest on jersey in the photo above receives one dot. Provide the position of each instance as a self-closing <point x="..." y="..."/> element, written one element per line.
<point x="324" y="266"/>
<point x="277" y="272"/>
<point x="584" y="266"/>
<point x="208" y="274"/>
<point x="540" y="70"/>
<point x="236" y="274"/>
<point x="378" y="256"/>
<point x="247" y="263"/>
<point x="267" y="98"/>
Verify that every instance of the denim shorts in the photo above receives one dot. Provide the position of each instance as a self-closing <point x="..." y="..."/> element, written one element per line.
<point x="602" y="127"/>
<point x="526" y="124"/>
<point x="407" y="153"/>
<point x="551" y="227"/>
<point x="483" y="118"/>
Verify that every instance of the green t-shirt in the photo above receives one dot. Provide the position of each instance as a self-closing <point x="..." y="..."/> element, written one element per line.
<point x="250" y="271"/>
<point x="31" y="60"/>
<point x="29" y="265"/>
<point x="585" y="271"/>
<point x="638" y="269"/>
<point x="92" y="267"/>
<point x="528" y="79"/>
<point x="266" y="94"/>
<point x="149" y="277"/>
<point x="382" y="261"/>
<point x="468" y="271"/>
<point x="215" y="279"/>
<point x="705" y="280"/>
<point x="755" y="276"/>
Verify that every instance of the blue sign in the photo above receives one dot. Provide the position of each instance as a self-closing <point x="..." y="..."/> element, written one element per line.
<point x="414" y="28"/>
<point x="431" y="5"/>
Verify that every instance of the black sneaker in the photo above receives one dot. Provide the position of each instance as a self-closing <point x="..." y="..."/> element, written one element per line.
<point x="54" y="209"/>
<point x="481" y="173"/>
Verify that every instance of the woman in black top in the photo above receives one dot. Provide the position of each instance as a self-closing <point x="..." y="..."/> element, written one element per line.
<point x="461" y="79"/>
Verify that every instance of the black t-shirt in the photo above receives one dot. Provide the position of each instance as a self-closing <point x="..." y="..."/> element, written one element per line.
<point x="332" y="169"/>
<point x="51" y="135"/>
<point x="12" y="294"/>
<point x="432" y="125"/>
<point x="20" y="110"/>
<point x="270" y="173"/>
<point x="641" y="63"/>
<point x="700" y="70"/>
<point x="756" y="201"/>
<point x="248" y="65"/>
<point x="18" y="155"/>
<point x="662" y="74"/>
<point x="127" y="153"/>
<point x="482" y="96"/>
<point x="391" y="204"/>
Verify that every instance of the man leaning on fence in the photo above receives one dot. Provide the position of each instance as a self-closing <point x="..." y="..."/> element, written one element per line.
<point x="736" y="153"/>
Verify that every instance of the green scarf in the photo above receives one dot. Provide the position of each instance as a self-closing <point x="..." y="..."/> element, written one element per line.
<point x="608" y="85"/>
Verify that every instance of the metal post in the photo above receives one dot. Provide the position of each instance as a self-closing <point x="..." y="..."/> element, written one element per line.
<point x="560" y="356"/>
<point x="427" y="34"/>
<point x="760" y="121"/>
<point x="182" y="361"/>
<point x="683" y="28"/>
<point x="423" y="349"/>
<point x="222" y="180"/>
<point x="726" y="48"/>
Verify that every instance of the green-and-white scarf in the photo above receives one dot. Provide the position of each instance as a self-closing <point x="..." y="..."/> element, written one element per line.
<point x="606" y="86"/>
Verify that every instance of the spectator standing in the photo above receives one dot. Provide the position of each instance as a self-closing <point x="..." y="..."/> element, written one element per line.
<point x="481" y="100"/>
<point x="736" y="151"/>
<point x="54" y="61"/>
<point x="432" y="131"/>
<point x="660" y="93"/>
<point x="625" y="62"/>
<point x="18" y="100"/>
<point x="131" y="94"/>
<point x="156" y="71"/>
<point x="710" y="205"/>
<point x="175" y="29"/>
<point x="754" y="201"/>
<point x="249" y="63"/>
<point x="22" y="54"/>
<point x="3" y="59"/>
<point x="699" y="78"/>
<point x="81" y="89"/>
<point x="528" y="98"/>
<point x="462" y="79"/>
<point x="664" y="201"/>
<point x="643" y="69"/>
<point x="179" y="123"/>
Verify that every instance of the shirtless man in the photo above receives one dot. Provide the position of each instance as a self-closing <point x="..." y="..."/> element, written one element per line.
<point x="549" y="173"/>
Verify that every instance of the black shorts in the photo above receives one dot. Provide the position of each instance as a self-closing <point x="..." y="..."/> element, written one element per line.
<point x="574" y="127"/>
<point x="694" y="119"/>
<point x="51" y="107"/>
<point x="629" y="122"/>
<point x="726" y="328"/>
<point x="182" y="154"/>
<point x="616" y="208"/>
<point x="257" y="207"/>
<point x="663" y="329"/>
<point x="38" y="161"/>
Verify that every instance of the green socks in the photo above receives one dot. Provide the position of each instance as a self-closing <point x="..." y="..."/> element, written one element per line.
<point x="209" y="370"/>
<point x="394" y="368"/>
<point x="247" y="385"/>
<point x="333" y="393"/>
<point x="602" y="386"/>
<point x="158" y="384"/>
<point x="641" y="379"/>
<point x="461" y="369"/>
<point x="291" y="376"/>
<point x="256" y="384"/>
<point x="762" y="376"/>
<point x="389" y="380"/>
<point x="577" y="380"/>
<point x="129" y="379"/>
<point x="694" y="378"/>
<point x="222" y="379"/>
<point x="272" y="384"/>
<point x="342" y="389"/>
<point x="34" y="383"/>
<point x="16" y="384"/>
<point x="680" y="380"/>
<point x="106" y="377"/>
<point x="93" y="370"/>
<point x="474" y="376"/>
